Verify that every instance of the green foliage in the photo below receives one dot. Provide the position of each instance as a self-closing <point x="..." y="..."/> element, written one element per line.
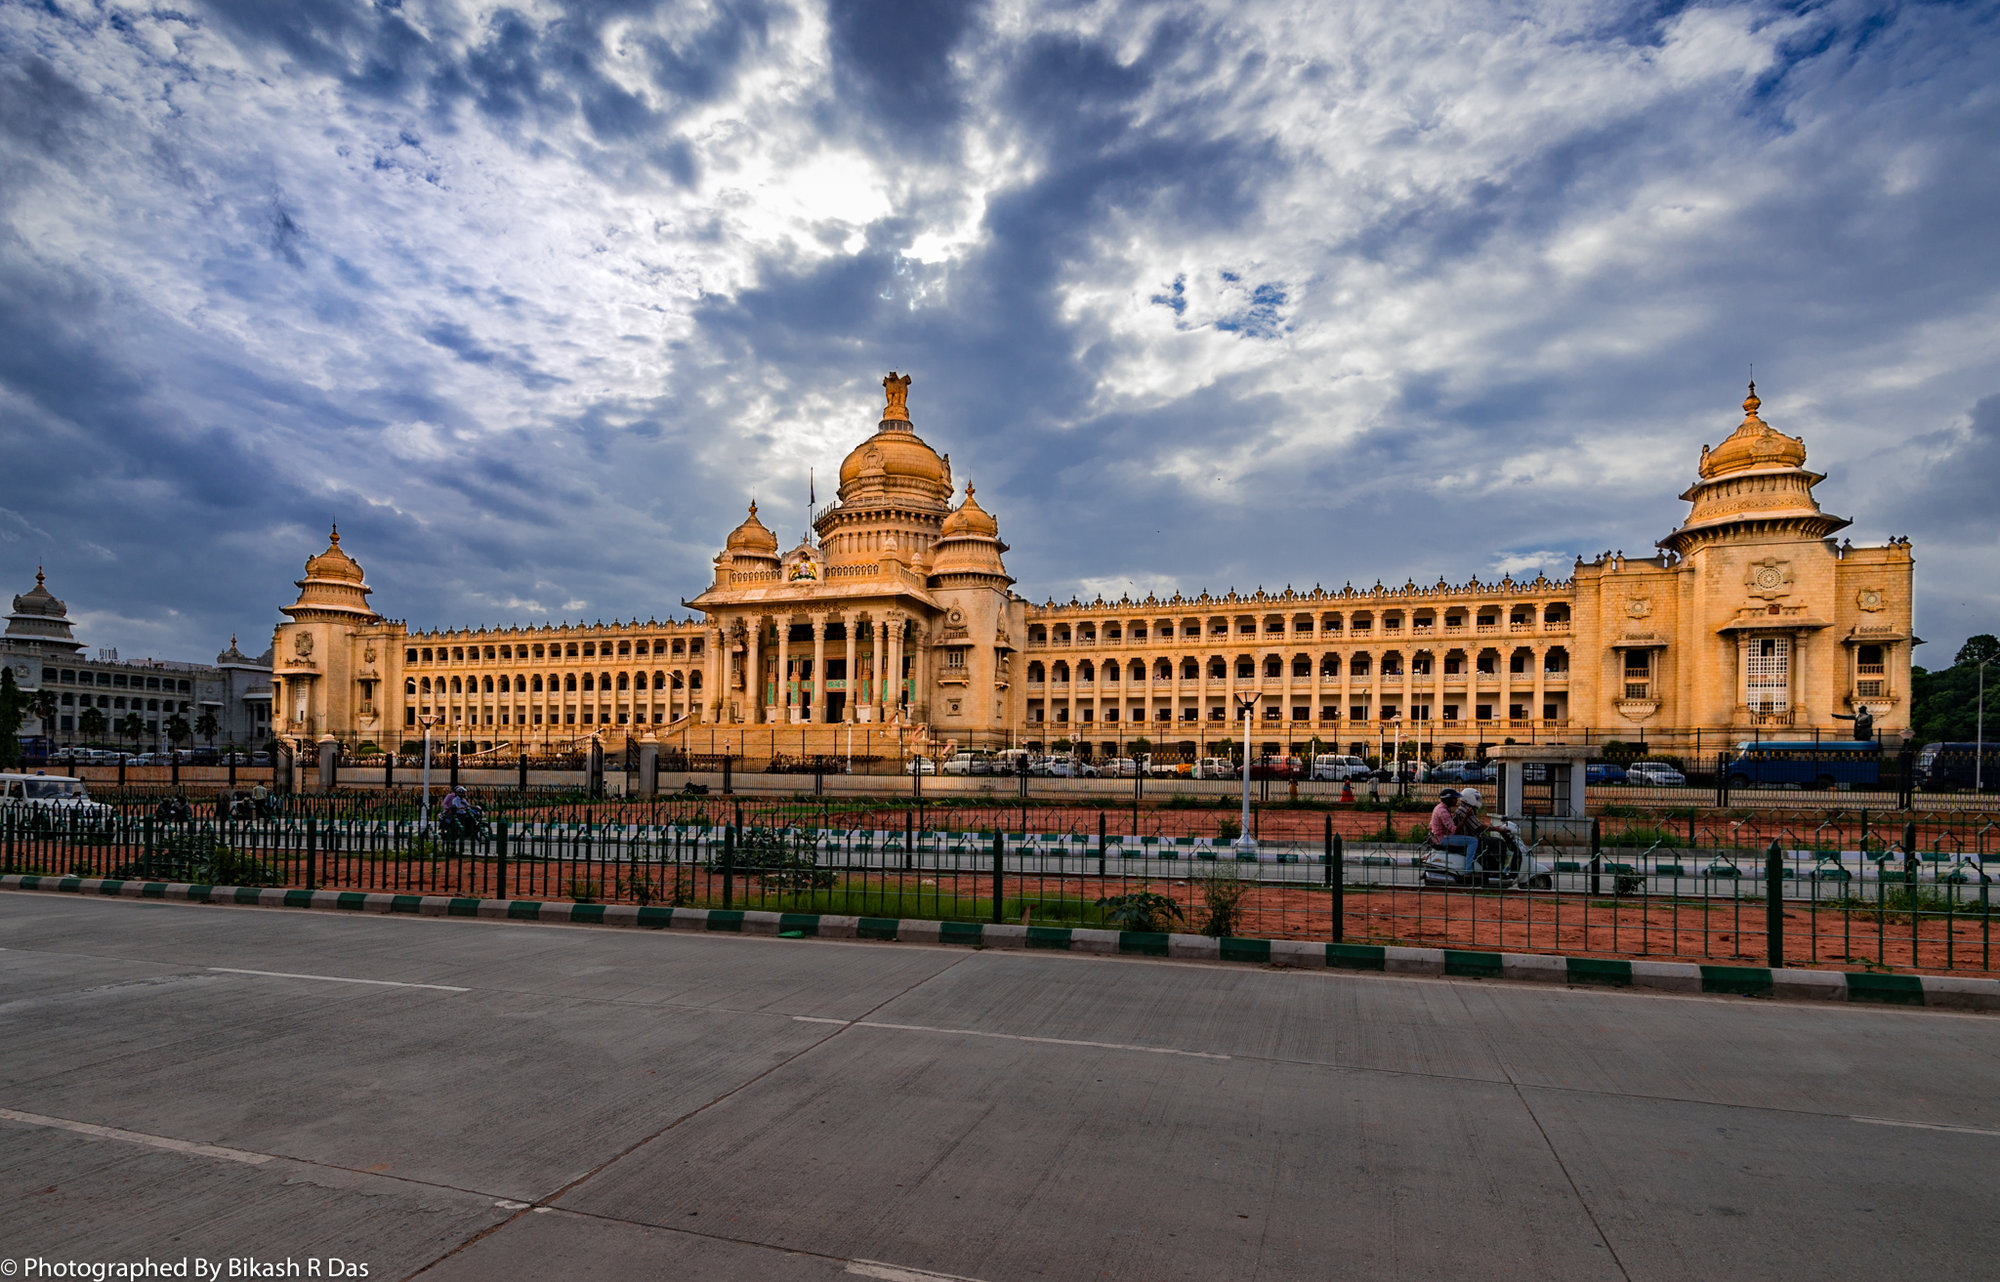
<point x="585" y="891"/>
<point x="1222" y="893"/>
<point x="1141" y="746"/>
<point x="92" y="723"/>
<point x="783" y="858"/>
<point x="1944" y="705"/>
<point x="1643" y="836"/>
<point x="13" y="711"/>
<point x="132" y="726"/>
<point x="177" y="729"/>
<point x="1228" y="829"/>
<point x="1141" y="910"/>
<point x="674" y="888"/>
<point x="207" y="726"/>
<point x="200" y="859"/>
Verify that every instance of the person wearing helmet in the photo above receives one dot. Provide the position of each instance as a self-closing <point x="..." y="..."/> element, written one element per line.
<point x="1445" y="832"/>
<point x="1466" y="817"/>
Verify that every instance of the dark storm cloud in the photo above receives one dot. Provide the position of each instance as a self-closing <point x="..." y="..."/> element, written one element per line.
<point x="533" y="300"/>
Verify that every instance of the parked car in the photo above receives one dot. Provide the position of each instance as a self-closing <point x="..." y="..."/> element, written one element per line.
<point x="1456" y="770"/>
<point x="920" y="766"/>
<point x="1066" y="766"/>
<point x="1215" y="768"/>
<point x="1336" y="768"/>
<point x="1603" y="772"/>
<point x="1654" y="773"/>
<point x="42" y="800"/>
<point x="1010" y="761"/>
<point x="1275" y="767"/>
<point x="967" y="763"/>
<point x="1118" y="768"/>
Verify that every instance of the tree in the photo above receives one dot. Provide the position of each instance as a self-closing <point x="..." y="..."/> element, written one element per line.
<point x="92" y="724"/>
<point x="177" y="729"/>
<point x="207" y="726"/>
<point x="1944" y="705"/>
<point x="13" y="711"/>
<point x="132" y="726"/>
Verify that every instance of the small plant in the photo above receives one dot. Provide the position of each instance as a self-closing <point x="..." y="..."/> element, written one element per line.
<point x="1142" y="910"/>
<point x="584" y="891"/>
<point x="1222" y="895"/>
<point x="1629" y="883"/>
<point x="199" y="859"/>
<point x="1228" y="829"/>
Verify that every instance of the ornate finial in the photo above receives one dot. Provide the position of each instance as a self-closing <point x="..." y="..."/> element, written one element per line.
<point x="335" y="536"/>
<point x="898" y="389"/>
<point x="232" y="640"/>
<point x="969" y="491"/>
<point x="753" y="507"/>
<point x="39" y="578"/>
<point x="1750" y="403"/>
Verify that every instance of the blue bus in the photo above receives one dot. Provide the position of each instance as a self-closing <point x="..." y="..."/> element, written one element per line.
<point x="1856" y="763"/>
<point x="1951" y="765"/>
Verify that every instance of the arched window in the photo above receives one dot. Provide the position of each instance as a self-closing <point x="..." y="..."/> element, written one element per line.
<point x="1392" y="664"/>
<point x="1359" y="665"/>
<point x="1061" y="671"/>
<point x="1246" y="666"/>
<point x="569" y="682"/>
<point x="676" y="678"/>
<point x="410" y="685"/>
<point x="488" y="686"/>
<point x="410" y="655"/>
<point x="455" y="687"/>
<point x="1556" y="660"/>
<point x="659" y="680"/>
<point x="589" y="649"/>
<point x="536" y="684"/>
<point x="624" y="647"/>
<point x="1302" y="666"/>
<point x="1138" y="670"/>
<point x="694" y="680"/>
<point x="520" y="685"/>
<point x="1329" y="665"/>
<point x="1111" y="670"/>
<point x="1273" y="666"/>
<point x="1085" y="671"/>
<point x="1217" y="669"/>
<point x="1163" y="669"/>
<point x="624" y="682"/>
<point x="1190" y="670"/>
<point x="1036" y="672"/>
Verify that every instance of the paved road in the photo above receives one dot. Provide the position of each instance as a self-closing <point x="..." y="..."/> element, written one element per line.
<point x="519" y="1101"/>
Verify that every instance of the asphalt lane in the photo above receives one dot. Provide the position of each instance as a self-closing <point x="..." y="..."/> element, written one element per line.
<point x="475" y="1099"/>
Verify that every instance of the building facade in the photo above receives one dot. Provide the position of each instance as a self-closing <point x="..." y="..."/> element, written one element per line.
<point x="41" y="646"/>
<point x="897" y="612"/>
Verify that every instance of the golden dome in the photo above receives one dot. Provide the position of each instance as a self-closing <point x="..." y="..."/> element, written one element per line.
<point x="752" y="538"/>
<point x="970" y="518"/>
<point x="895" y="462"/>
<point x="334" y="563"/>
<point x="1755" y="444"/>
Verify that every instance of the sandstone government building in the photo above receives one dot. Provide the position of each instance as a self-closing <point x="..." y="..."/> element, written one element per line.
<point x="897" y="620"/>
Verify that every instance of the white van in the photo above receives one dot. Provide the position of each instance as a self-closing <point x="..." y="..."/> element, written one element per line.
<point x="50" y="797"/>
<point x="1331" y="768"/>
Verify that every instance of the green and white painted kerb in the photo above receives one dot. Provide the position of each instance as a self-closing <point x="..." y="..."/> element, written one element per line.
<point x="1948" y="991"/>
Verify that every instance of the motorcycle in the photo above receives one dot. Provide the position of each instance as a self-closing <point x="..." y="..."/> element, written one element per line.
<point x="466" y="824"/>
<point x="693" y="789"/>
<point x="1503" y="861"/>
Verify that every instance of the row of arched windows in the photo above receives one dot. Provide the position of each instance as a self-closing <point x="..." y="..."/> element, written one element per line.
<point x="1361" y="664"/>
<point x="1523" y="616"/>
<point x="557" y="650"/>
<point x="563" y="682"/>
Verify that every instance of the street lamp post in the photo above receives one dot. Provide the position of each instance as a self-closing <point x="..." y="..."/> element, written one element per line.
<point x="1979" y="735"/>
<point x="428" y="720"/>
<point x="1245" y="843"/>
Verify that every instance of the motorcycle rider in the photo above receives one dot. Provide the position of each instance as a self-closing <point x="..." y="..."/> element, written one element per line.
<point x="1445" y="832"/>
<point x="459" y="814"/>
<point x="1466" y="816"/>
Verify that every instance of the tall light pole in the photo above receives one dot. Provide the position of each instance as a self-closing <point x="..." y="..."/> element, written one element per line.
<point x="1245" y="843"/>
<point x="1979" y="735"/>
<point x="428" y="720"/>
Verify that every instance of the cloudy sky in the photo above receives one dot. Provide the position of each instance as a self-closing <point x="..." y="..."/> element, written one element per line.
<point x="532" y="299"/>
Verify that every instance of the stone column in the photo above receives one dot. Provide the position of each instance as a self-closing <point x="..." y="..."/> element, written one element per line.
<point x="753" y="671"/>
<point x="784" y="669"/>
<point x="718" y="674"/>
<point x="1541" y="685"/>
<point x="894" y="697"/>
<point x="819" y="667"/>
<point x="851" y="703"/>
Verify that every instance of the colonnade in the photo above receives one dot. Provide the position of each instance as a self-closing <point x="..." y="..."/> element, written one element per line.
<point x="756" y="676"/>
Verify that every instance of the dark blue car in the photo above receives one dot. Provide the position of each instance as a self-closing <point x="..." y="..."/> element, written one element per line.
<point x="1603" y="772"/>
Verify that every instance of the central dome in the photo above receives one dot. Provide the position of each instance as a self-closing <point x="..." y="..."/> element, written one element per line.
<point x="895" y="463"/>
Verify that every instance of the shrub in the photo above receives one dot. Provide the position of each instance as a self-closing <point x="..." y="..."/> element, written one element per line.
<point x="1222" y="894"/>
<point x="585" y="892"/>
<point x="1141" y="910"/>
<point x="198" y="858"/>
<point x="1228" y="829"/>
<point x="783" y="858"/>
<point x="1639" y="836"/>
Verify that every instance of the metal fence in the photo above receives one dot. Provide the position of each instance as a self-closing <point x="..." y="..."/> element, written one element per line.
<point x="1847" y="889"/>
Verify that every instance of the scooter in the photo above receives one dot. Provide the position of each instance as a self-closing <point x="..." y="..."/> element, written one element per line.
<point x="1503" y="861"/>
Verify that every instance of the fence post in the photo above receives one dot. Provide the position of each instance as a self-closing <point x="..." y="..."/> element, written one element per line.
<point x="388" y="770"/>
<point x="1337" y="871"/>
<point x="1100" y="843"/>
<point x="312" y="852"/>
<point x="8" y="870"/>
<point x="500" y="856"/>
<point x="909" y="836"/>
<point x="521" y="769"/>
<point x="1774" y="904"/>
<point x="999" y="873"/>
<point x="726" y="788"/>
<point x="1722" y="779"/>
<point x="146" y="829"/>
<point x="1329" y="848"/>
<point x="1596" y="856"/>
<point x="729" y="864"/>
<point x="454" y="768"/>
